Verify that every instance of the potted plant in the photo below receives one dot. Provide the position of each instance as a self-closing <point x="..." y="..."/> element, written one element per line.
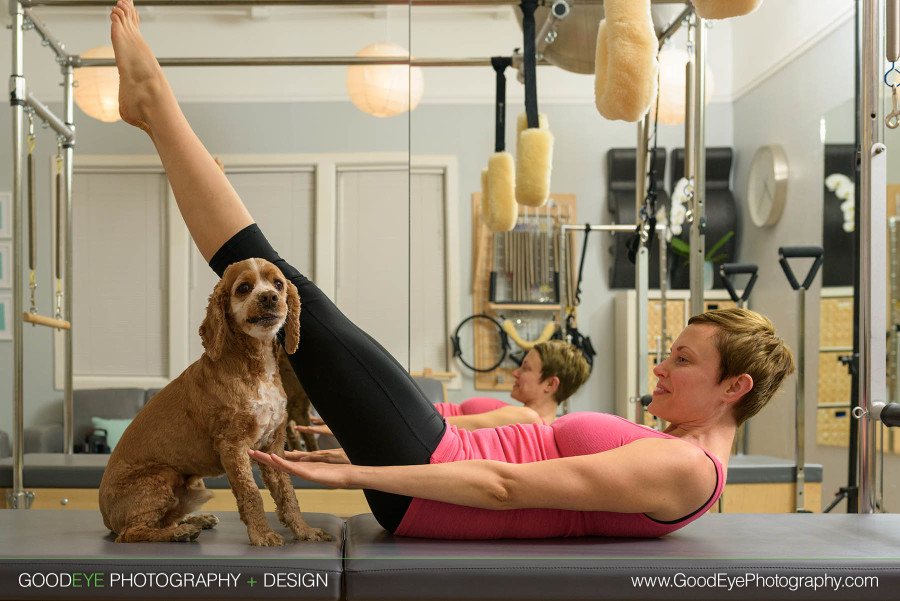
<point x="682" y="249"/>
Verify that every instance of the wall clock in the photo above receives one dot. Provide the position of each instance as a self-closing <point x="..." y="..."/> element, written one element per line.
<point x="767" y="185"/>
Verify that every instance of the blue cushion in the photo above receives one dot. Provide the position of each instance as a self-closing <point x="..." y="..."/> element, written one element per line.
<point x="114" y="428"/>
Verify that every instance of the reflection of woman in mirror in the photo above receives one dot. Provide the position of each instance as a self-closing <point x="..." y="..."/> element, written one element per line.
<point x="550" y="373"/>
<point x="585" y="474"/>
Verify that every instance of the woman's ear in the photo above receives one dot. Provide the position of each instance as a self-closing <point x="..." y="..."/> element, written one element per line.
<point x="739" y="387"/>
<point x="213" y="328"/>
<point x="292" y="323"/>
<point x="551" y="384"/>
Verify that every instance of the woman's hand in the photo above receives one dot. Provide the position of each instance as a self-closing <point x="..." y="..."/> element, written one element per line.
<point x="318" y="427"/>
<point x="328" y="474"/>
<point x="322" y="456"/>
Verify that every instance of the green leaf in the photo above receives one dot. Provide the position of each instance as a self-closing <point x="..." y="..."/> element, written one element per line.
<point x="718" y="245"/>
<point x="680" y="247"/>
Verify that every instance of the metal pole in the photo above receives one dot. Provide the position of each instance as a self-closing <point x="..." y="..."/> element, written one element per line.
<point x="49" y="39"/>
<point x="17" y="498"/>
<point x="42" y="111"/>
<point x="872" y="255"/>
<point x="300" y="61"/>
<point x="698" y="160"/>
<point x="641" y="267"/>
<point x="348" y="3"/>
<point x="799" y="407"/>
<point x="893" y="338"/>
<point x="69" y="148"/>
<point x="663" y="289"/>
<point x="612" y="228"/>
<point x="675" y="26"/>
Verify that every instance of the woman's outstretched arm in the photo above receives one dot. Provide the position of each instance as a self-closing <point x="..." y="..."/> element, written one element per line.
<point x="666" y="479"/>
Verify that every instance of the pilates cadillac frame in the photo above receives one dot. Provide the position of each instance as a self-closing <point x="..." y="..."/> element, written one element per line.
<point x="872" y="404"/>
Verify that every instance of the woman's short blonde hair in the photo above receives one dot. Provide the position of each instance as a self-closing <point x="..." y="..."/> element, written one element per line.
<point x="747" y="344"/>
<point x="566" y="362"/>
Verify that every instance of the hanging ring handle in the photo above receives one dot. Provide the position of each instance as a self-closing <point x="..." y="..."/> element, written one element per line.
<point x="727" y="269"/>
<point x="809" y="252"/>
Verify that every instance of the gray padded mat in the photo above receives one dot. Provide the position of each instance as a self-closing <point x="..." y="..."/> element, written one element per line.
<point x="777" y="549"/>
<point x="83" y="470"/>
<point x="58" y="544"/>
<point x="755" y="469"/>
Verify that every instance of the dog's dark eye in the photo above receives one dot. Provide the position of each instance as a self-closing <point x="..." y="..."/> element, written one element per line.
<point x="279" y="285"/>
<point x="243" y="288"/>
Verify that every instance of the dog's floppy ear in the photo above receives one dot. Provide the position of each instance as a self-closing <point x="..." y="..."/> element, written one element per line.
<point x="292" y="323"/>
<point x="212" y="330"/>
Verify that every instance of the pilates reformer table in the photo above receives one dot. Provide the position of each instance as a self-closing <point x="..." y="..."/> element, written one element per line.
<point x="67" y="554"/>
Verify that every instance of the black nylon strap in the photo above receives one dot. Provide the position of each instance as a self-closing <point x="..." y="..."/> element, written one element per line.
<point x="587" y="232"/>
<point x="531" y="106"/>
<point x="500" y="63"/>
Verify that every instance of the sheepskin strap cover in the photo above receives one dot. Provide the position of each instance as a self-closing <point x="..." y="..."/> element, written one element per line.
<point x="522" y="125"/>
<point x="724" y="9"/>
<point x="533" y="167"/>
<point x="500" y="210"/>
<point x="626" y="65"/>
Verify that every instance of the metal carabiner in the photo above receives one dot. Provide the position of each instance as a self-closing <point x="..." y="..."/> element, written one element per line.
<point x="892" y="119"/>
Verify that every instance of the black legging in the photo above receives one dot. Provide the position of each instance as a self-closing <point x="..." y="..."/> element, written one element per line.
<point x="365" y="396"/>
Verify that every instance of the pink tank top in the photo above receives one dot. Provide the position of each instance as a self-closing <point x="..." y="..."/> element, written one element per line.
<point x="569" y="436"/>
<point x="470" y="406"/>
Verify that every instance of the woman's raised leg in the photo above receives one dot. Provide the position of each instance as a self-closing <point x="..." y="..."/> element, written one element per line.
<point x="209" y="205"/>
<point x="375" y="409"/>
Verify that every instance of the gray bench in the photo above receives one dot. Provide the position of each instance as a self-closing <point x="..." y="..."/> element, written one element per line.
<point x="379" y="566"/>
<point x="365" y="563"/>
<point x="42" y="546"/>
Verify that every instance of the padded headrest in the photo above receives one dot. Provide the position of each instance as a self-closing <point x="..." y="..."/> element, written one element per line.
<point x="109" y="403"/>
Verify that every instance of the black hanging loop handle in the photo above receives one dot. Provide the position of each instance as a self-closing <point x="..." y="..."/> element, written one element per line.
<point x="530" y="60"/>
<point x="800" y="252"/>
<point x="587" y="232"/>
<point x="500" y="63"/>
<point x="729" y="269"/>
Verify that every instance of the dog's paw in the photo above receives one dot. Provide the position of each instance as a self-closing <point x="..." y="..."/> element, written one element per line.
<point x="311" y="534"/>
<point x="201" y="520"/>
<point x="266" y="539"/>
<point x="186" y="532"/>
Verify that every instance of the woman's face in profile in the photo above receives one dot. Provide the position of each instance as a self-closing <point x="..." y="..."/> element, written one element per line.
<point x="688" y="380"/>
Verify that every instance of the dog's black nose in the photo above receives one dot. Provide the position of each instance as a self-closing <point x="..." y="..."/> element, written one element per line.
<point x="268" y="298"/>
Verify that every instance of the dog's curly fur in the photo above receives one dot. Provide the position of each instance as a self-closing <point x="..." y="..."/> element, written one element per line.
<point x="202" y="424"/>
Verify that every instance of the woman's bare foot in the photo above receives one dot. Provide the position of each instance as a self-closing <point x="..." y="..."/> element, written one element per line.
<point x="141" y="80"/>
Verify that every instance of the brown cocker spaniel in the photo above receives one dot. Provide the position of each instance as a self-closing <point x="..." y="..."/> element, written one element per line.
<point x="202" y="424"/>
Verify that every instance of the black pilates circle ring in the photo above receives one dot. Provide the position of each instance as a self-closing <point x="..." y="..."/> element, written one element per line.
<point x="504" y="342"/>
